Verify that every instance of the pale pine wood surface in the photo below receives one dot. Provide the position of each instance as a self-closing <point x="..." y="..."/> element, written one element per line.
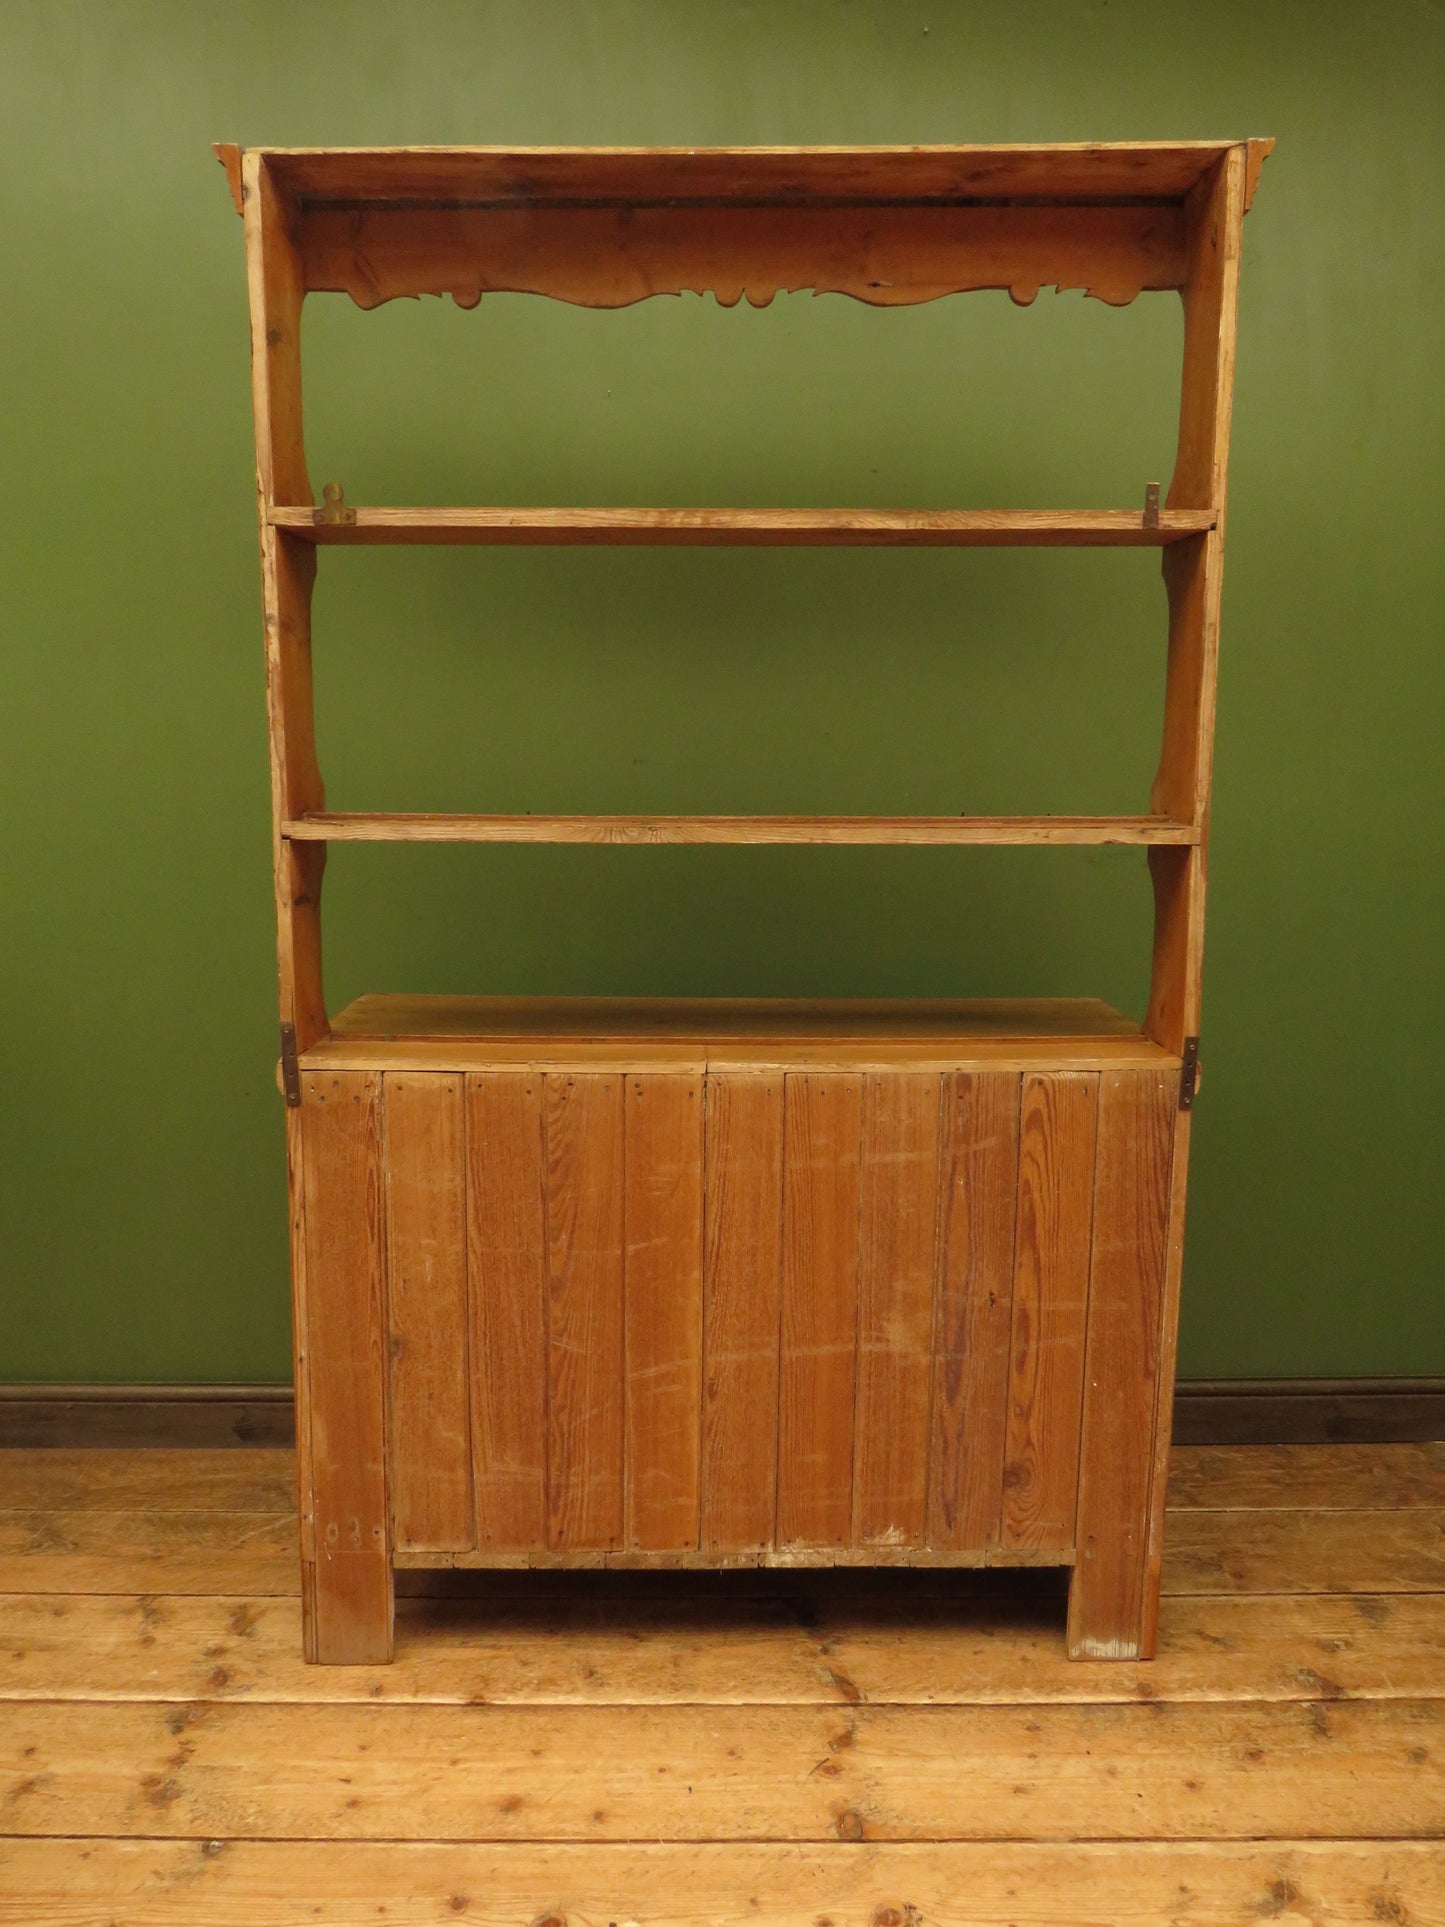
<point x="910" y="528"/>
<point x="415" y="826"/>
<point x="275" y="1884"/>
<point x="890" y="1749"/>
<point x="1086" y="170"/>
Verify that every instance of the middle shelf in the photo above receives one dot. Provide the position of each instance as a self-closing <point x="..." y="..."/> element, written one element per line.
<point x="733" y="527"/>
<point x="379" y="826"/>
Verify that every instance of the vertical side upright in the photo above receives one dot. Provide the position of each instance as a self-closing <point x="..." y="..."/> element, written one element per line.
<point x="1111" y="1612"/>
<point x="1193" y="578"/>
<point x="288" y="570"/>
<point x="1193" y="572"/>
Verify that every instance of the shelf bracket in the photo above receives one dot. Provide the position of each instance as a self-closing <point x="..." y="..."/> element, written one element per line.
<point x="1151" y="505"/>
<point x="334" y="513"/>
<point x="290" y="1069"/>
<point x="1189" y="1074"/>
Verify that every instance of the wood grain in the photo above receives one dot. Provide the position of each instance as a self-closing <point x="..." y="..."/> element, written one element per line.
<point x="1330" y="1478"/>
<point x="429" y="1407"/>
<point x="897" y="1271"/>
<point x="1361" y="1769"/>
<point x="978" y="1208"/>
<point x="1070" y="170"/>
<point x="818" y="1328"/>
<point x="1109" y="1612"/>
<point x="742" y="1285"/>
<point x="724" y="1035"/>
<point x="662" y="1279"/>
<point x="610" y="257"/>
<point x="72" y="1883"/>
<point x="507" y="1244"/>
<point x="1193" y="576"/>
<point x="1344" y="1552"/>
<point x="346" y="1514"/>
<point x="121" y="1480"/>
<point x="274" y="277"/>
<point x="738" y="527"/>
<point x="1057" y="1127"/>
<point x="919" y="1639"/>
<point x="584" y="1154"/>
<point x="401" y="826"/>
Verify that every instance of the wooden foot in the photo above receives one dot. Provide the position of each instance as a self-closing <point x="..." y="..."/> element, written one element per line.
<point x="345" y="1516"/>
<point x="1113" y="1600"/>
<point x="1113" y="1595"/>
<point x="347" y="1609"/>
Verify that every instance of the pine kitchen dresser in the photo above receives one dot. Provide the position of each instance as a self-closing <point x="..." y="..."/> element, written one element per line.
<point x="658" y="1283"/>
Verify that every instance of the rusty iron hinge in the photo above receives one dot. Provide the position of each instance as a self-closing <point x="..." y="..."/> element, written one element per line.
<point x="290" y="1069"/>
<point x="1151" y="506"/>
<point x="1189" y="1074"/>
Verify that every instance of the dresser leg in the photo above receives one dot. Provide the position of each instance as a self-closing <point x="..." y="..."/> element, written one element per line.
<point x="347" y="1609"/>
<point x="1113" y="1599"/>
<point x="1114" y="1592"/>
<point x="346" y="1584"/>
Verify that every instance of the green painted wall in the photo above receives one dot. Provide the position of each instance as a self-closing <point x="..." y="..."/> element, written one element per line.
<point x="141" y="1157"/>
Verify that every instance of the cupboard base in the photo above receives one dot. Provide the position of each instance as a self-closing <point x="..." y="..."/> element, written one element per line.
<point x="748" y="1292"/>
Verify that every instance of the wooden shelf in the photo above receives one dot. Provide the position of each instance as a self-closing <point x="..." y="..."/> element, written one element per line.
<point x="338" y="826"/>
<point x="816" y="528"/>
<point x="383" y="1033"/>
<point x="539" y="177"/>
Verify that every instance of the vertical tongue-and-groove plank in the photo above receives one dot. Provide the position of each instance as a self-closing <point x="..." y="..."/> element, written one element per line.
<point x="818" y="1335"/>
<point x="977" y="1210"/>
<point x="742" y="1260"/>
<point x="1057" y="1129"/>
<point x="507" y="1281"/>
<point x="584" y="1191"/>
<point x="429" y="1424"/>
<point x="662" y="1285"/>
<point x="897" y="1265"/>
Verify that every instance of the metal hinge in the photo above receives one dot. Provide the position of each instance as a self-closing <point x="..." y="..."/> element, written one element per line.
<point x="290" y="1069"/>
<point x="1189" y="1073"/>
<point x="1151" y="506"/>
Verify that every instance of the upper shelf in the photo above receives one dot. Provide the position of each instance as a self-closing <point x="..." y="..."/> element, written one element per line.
<point x="541" y="176"/>
<point x="604" y="227"/>
<point x="819" y="528"/>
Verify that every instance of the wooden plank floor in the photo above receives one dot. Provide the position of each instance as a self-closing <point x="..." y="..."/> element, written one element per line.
<point x="905" y="1749"/>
